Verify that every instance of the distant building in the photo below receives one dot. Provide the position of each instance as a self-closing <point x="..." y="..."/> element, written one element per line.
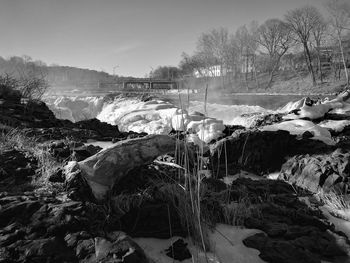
<point x="247" y="63"/>
<point x="211" y="71"/>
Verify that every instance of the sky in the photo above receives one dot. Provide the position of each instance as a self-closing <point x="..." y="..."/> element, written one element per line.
<point x="127" y="37"/>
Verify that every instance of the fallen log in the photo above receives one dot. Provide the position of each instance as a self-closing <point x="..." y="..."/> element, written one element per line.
<point x="105" y="168"/>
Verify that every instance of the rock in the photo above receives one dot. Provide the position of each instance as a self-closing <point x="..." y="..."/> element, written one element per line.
<point x="214" y="185"/>
<point x="77" y="187"/>
<point x="110" y="165"/>
<point x="10" y="238"/>
<point x="84" y="248"/>
<point x="70" y="169"/>
<point x="294" y="232"/>
<point x="72" y="239"/>
<point x="123" y="249"/>
<point x="329" y="172"/>
<point x="260" y="152"/>
<point x="230" y="129"/>
<point x="256" y="151"/>
<point x="263" y="119"/>
<point x="102" y="128"/>
<point x="57" y="176"/>
<point x="16" y="168"/>
<point x="152" y="220"/>
<point x="279" y="251"/>
<point x="42" y="249"/>
<point x="178" y="250"/>
<point x="21" y="210"/>
<point x="34" y="113"/>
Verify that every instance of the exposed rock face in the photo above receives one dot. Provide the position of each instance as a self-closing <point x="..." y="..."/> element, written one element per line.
<point x="15" y="169"/>
<point x="313" y="172"/>
<point x="45" y="229"/>
<point x="30" y="114"/>
<point x="101" y="128"/>
<point x="110" y="165"/>
<point x="259" y="151"/>
<point x="63" y="150"/>
<point x="264" y="119"/>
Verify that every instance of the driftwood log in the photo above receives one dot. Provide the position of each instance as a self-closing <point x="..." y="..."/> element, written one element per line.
<point x="103" y="169"/>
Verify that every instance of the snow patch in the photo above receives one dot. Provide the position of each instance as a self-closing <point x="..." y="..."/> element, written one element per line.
<point x="225" y="243"/>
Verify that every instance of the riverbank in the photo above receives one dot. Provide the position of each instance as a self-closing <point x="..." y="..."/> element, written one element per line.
<point x="63" y="199"/>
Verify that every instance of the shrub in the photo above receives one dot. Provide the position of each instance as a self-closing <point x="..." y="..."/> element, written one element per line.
<point x="9" y="89"/>
<point x="27" y="86"/>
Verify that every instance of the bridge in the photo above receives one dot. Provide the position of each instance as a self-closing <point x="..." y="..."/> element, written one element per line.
<point x="146" y="83"/>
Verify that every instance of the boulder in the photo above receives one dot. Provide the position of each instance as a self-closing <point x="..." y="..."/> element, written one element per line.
<point x="105" y="168"/>
<point x="178" y="250"/>
<point x="319" y="171"/>
<point x="255" y="151"/>
<point x="122" y="249"/>
<point x="260" y="152"/>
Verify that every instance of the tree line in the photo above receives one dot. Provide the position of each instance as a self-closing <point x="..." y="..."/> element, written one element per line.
<point x="24" y="67"/>
<point x="301" y="37"/>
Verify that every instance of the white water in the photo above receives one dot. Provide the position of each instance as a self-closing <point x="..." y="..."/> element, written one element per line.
<point x="154" y="116"/>
<point x="205" y="120"/>
<point x="75" y="108"/>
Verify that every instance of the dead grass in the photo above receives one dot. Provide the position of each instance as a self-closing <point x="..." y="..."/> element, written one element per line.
<point x="235" y="213"/>
<point x="47" y="164"/>
<point x="188" y="211"/>
<point x="333" y="201"/>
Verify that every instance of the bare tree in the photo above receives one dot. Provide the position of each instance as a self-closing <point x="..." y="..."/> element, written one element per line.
<point x="247" y="46"/>
<point x="339" y="11"/>
<point x="319" y="33"/>
<point x="275" y="37"/>
<point x="232" y="56"/>
<point x="199" y="63"/>
<point x="302" y="22"/>
<point x="253" y="47"/>
<point x="213" y="45"/>
<point x="241" y="37"/>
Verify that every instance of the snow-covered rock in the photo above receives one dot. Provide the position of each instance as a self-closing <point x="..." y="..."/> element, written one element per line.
<point x="298" y="127"/>
<point x="301" y="109"/>
<point x="335" y="125"/>
<point x="292" y="105"/>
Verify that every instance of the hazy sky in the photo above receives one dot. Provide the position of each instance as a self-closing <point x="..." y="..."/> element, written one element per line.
<point x="134" y="35"/>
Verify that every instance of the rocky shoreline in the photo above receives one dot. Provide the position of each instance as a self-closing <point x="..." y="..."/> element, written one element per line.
<point x="97" y="201"/>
